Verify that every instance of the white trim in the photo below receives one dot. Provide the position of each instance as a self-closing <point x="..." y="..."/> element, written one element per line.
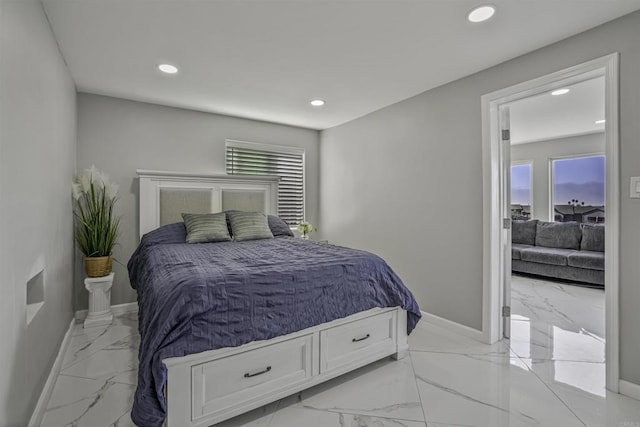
<point x="606" y="66"/>
<point x="630" y="389"/>
<point x="204" y="176"/>
<point x="130" y="307"/>
<point x="567" y="136"/>
<point x="452" y="326"/>
<point x="43" y="400"/>
<point x="612" y="237"/>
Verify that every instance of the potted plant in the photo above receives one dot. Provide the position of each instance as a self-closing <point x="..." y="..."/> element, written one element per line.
<point x="305" y="228"/>
<point x="96" y="227"/>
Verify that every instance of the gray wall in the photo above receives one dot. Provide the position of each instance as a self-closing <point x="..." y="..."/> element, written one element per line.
<point x="37" y="164"/>
<point x="120" y="136"/>
<point x="541" y="152"/>
<point x="406" y="181"/>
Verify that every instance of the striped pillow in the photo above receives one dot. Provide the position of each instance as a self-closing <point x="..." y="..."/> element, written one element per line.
<point x="249" y="226"/>
<point x="202" y="228"/>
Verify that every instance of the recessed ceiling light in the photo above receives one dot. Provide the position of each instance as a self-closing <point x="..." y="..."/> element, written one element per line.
<point x="317" y="102"/>
<point x="481" y="13"/>
<point x="560" y="92"/>
<point x="168" y="68"/>
<point x="599" y="122"/>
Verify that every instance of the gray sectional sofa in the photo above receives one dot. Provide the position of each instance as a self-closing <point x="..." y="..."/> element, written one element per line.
<point x="563" y="250"/>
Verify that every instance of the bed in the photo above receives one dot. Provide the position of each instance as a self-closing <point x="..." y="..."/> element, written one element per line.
<point x="230" y="326"/>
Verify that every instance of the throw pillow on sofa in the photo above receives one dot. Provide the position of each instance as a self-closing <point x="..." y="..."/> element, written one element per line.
<point x="524" y="232"/>
<point x="562" y="235"/>
<point x="592" y="237"/>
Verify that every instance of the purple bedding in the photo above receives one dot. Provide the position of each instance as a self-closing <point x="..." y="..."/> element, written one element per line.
<point x="198" y="297"/>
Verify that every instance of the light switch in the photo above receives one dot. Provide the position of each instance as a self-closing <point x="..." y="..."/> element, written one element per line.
<point x="634" y="187"/>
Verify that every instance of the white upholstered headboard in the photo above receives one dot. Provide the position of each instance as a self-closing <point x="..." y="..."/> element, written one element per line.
<point x="165" y="195"/>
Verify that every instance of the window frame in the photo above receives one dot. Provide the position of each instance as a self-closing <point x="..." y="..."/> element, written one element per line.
<point x="274" y="148"/>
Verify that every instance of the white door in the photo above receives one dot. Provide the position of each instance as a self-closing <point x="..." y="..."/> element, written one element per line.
<point x="505" y="191"/>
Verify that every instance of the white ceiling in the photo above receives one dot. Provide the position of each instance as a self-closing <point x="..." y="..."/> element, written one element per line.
<point x="545" y="116"/>
<point x="266" y="59"/>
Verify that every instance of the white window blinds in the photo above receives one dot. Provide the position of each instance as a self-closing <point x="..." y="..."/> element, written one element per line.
<point x="287" y="163"/>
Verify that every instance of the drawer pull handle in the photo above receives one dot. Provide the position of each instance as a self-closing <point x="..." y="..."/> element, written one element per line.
<point x="255" y="374"/>
<point x="361" y="338"/>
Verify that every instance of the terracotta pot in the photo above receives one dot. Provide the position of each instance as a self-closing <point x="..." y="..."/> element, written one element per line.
<point x="97" y="266"/>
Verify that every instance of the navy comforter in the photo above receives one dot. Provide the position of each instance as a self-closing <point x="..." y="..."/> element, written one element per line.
<point x="198" y="297"/>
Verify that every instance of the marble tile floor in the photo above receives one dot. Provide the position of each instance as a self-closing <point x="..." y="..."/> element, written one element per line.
<point x="551" y="373"/>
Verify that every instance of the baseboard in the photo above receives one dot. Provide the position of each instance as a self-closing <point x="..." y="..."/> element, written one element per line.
<point x="453" y="326"/>
<point x="41" y="406"/>
<point x="629" y="389"/>
<point x="130" y="307"/>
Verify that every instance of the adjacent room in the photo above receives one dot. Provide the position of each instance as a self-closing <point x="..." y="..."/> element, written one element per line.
<point x="558" y="189"/>
<point x="319" y="213"/>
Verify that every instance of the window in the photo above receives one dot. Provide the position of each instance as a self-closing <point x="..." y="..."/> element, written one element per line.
<point x="521" y="191"/>
<point x="249" y="158"/>
<point x="578" y="189"/>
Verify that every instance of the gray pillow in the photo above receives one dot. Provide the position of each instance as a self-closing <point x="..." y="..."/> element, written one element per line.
<point x="249" y="226"/>
<point x="278" y="226"/>
<point x="564" y="235"/>
<point x="524" y="232"/>
<point x="592" y="237"/>
<point x="202" y="228"/>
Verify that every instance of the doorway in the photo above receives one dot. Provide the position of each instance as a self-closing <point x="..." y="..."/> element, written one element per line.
<point x="497" y="209"/>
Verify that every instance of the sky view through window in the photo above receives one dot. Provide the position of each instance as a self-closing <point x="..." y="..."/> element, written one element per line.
<point x="521" y="184"/>
<point x="579" y="178"/>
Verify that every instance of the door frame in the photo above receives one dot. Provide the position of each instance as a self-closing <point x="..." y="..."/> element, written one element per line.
<point x="493" y="163"/>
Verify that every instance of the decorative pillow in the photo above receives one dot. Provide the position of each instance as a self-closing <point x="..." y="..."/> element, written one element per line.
<point x="202" y="228"/>
<point x="249" y="226"/>
<point x="592" y="237"/>
<point x="563" y="235"/>
<point x="278" y="226"/>
<point x="524" y="232"/>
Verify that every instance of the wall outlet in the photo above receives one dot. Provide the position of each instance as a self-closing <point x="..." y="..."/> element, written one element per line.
<point x="634" y="187"/>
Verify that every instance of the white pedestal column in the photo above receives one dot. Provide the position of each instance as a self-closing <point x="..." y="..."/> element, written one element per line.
<point x="99" y="300"/>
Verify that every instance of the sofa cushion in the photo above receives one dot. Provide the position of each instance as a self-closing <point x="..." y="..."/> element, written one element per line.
<point x="563" y="235"/>
<point x="592" y="260"/>
<point x="552" y="256"/>
<point x="516" y="250"/>
<point x="592" y="237"/>
<point x="524" y="232"/>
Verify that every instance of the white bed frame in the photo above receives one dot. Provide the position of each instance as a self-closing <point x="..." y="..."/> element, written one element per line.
<point x="209" y="387"/>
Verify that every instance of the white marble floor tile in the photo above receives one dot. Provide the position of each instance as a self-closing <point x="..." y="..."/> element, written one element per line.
<point x="486" y="391"/>
<point x="117" y="364"/>
<point x="384" y="389"/>
<point x="429" y="337"/>
<point x="297" y="416"/>
<point x="581" y="386"/>
<point x="260" y="417"/>
<point x="570" y="307"/>
<point x="540" y="340"/>
<point x="80" y="402"/>
<point x="91" y="340"/>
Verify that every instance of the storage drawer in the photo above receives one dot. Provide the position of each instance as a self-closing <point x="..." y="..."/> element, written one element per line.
<point x="223" y="383"/>
<point x="353" y="342"/>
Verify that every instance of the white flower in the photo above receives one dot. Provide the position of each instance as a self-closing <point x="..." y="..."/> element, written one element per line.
<point x="103" y="178"/>
<point x="94" y="174"/>
<point x="85" y="183"/>
<point x="76" y="190"/>
<point x="111" y="189"/>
